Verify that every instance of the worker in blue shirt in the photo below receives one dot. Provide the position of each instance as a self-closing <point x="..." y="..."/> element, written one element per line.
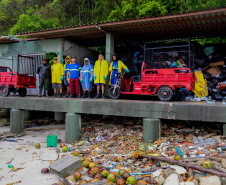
<point x="66" y="69"/>
<point x="73" y="77"/>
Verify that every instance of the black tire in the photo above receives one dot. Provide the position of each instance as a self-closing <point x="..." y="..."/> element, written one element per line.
<point x="165" y="93"/>
<point x="22" y="92"/>
<point x="5" y="90"/>
<point x="114" y="95"/>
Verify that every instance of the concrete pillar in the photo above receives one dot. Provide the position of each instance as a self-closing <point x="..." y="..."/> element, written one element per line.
<point x="27" y="114"/>
<point x="17" y="121"/>
<point x="7" y="113"/>
<point x="152" y="129"/>
<point x="109" y="47"/>
<point x="59" y="116"/>
<point x="108" y="56"/>
<point x="72" y="127"/>
<point x="224" y="129"/>
<point x="59" y="55"/>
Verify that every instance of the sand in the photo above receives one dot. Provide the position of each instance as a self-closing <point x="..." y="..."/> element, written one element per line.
<point x="29" y="158"/>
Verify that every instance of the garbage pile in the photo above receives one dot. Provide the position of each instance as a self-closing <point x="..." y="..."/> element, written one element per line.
<point x="114" y="153"/>
<point x="210" y="59"/>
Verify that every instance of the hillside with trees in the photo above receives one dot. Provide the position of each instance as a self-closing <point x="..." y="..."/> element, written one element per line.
<point x="18" y="16"/>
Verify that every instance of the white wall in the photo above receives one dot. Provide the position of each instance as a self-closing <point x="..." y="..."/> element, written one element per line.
<point x="80" y="52"/>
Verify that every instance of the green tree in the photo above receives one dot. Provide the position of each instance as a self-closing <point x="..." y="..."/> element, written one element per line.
<point x="32" y="22"/>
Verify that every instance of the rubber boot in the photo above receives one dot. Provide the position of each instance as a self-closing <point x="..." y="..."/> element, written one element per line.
<point x="88" y="96"/>
<point x="40" y="93"/>
<point x="47" y="93"/>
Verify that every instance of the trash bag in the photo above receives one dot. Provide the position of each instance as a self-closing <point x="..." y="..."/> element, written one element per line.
<point x="200" y="89"/>
<point x="157" y="65"/>
<point x="216" y="96"/>
<point x="223" y="76"/>
<point x="207" y="76"/>
<point x="216" y="57"/>
<point x="210" y="84"/>
<point x="209" y="50"/>
<point x="164" y="65"/>
<point x="223" y="92"/>
<point x="201" y="62"/>
<point x="215" y="81"/>
<point x="173" y="65"/>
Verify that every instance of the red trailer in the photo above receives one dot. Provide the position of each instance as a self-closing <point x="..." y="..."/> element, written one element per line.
<point x="13" y="82"/>
<point x="163" y="82"/>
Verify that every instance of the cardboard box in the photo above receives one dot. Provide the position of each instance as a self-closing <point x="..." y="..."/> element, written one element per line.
<point x="214" y="71"/>
<point x="221" y="63"/>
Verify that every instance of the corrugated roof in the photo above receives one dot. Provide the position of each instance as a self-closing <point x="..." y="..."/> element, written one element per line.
<point x="200" y="23"/>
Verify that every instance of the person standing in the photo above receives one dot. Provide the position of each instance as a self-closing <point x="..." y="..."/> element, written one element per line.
<point x="86" y="78"/>
<point x="66" y="69"/>
<point x="73" y="75"/>
<point x="115" y="67"/>
<point x="57" y="71"/>
<point x="43" y="71"/>
<point x="100" y="75"/>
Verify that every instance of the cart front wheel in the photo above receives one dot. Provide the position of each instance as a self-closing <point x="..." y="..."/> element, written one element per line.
<point x="22" y="92"/>
<point x="165" y="93"/>
<point x="5" y="90"/>
<point x="114" y="93"/>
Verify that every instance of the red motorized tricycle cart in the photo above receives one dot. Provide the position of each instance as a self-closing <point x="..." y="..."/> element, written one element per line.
<point x="165" y="80"/>
<point x="13" y="82"/>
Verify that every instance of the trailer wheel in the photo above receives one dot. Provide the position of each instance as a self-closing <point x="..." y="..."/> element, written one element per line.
<point x="5" y="90"/>
<point x="112" y="94"/>
<point x="22" y="92"/>
<point x="165" y="93"/>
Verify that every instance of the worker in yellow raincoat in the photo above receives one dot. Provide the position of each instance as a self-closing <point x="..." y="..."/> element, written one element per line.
<point x="116" y="67"/>
<point x="57" y="71"/>
<point x="66" y="69"/>
<point x="100" y="75"/>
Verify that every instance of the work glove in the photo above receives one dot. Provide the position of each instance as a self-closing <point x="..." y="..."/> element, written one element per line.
<point x="62" y="78"/>
<point x="81" y="81"/>
<point x="127" y="70"/>
<point x="105" y="77"/>
<point x="94" y="77"/>
<point x="90" y="80"/>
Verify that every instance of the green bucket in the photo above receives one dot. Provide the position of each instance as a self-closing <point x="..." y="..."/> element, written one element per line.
<point x="51" y="140"/>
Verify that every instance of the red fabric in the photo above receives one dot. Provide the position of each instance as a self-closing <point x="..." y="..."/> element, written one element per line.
<point x="74" y="87"/>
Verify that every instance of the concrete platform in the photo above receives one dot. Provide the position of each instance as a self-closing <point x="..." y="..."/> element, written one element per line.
<point x="192" y="111"/>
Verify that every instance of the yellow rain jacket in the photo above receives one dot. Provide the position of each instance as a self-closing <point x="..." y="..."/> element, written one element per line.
<point x="120" y="66"/>
<point x="100" y="70"/>
<point x="57" y="71"/>
<point x="66" y="69"/>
